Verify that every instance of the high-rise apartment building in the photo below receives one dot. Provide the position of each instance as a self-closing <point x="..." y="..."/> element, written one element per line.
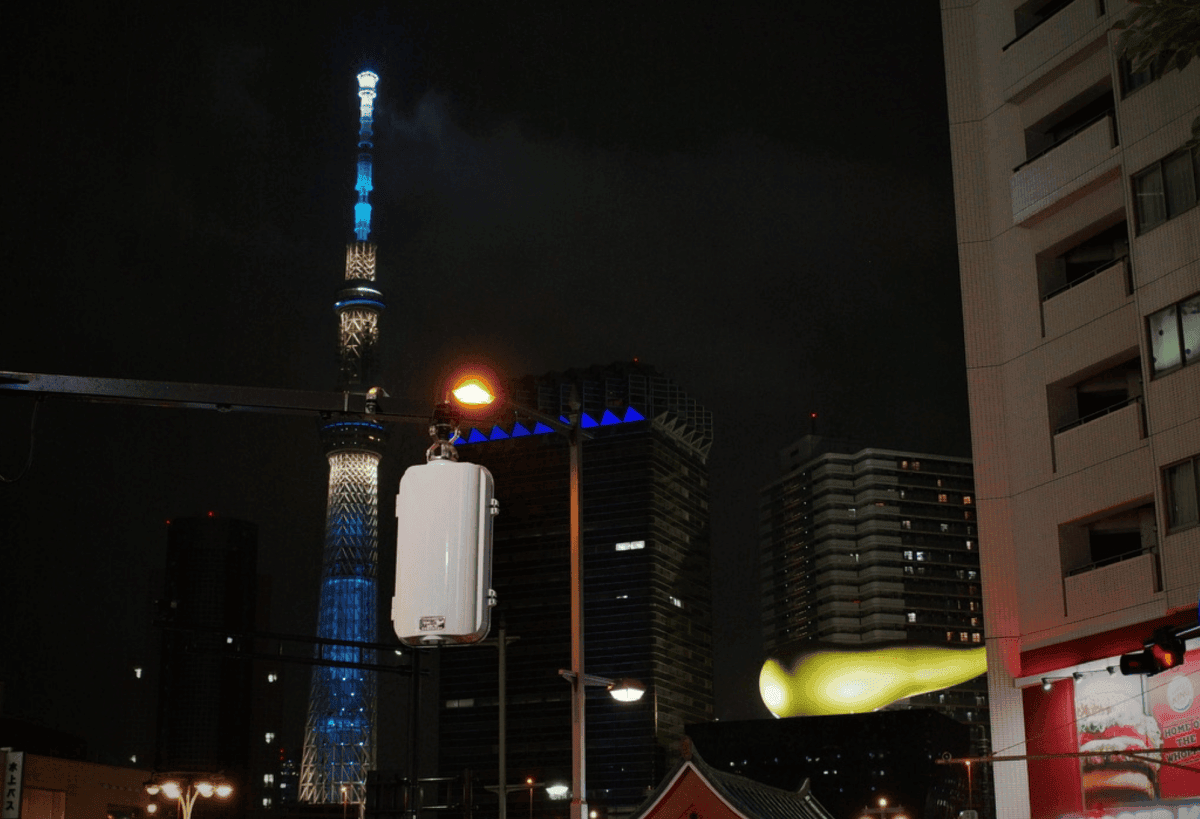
<point x="864" y="546"/>
<point x="1079" y="246"/>
<point x="646" y="584"/>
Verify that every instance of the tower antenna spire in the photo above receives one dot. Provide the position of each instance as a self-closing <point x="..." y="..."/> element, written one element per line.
<point x="339" y="734"/>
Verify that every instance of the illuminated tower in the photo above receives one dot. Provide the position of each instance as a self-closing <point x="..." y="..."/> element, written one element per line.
<point x="339" y="736"/>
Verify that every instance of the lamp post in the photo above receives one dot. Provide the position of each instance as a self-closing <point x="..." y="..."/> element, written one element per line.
<point x="884" y="812"/>
<point x="473" y="393"/>
<point x="186" y="790"/>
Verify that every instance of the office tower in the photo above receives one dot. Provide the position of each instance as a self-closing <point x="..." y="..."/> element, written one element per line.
<point x="865" y="546"/>
<point x="339" y="735"/>
<point x="646" y="588"/>
<point x="1079" y="248"/>
<point x="207" y="612"/>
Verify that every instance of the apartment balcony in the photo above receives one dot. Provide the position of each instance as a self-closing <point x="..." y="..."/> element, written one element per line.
<point x="1057" y="176"/>
<point x="1070" y="30"/>
<point x="1105" y="589"/>
<point x="1100" y="436"/>
<point x="1104" y="291"/>
<point x="891" y="622"/>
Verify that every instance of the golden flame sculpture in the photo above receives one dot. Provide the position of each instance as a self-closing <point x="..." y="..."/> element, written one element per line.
<point x="825" y="682"/>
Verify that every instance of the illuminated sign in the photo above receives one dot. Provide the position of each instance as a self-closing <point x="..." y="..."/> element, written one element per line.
<point x="1140" y="714"/>
<point x="826" y="682"/>
<point x="1189" y="809"/>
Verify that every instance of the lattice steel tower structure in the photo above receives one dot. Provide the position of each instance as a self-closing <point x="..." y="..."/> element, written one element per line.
<point x="339" y="735"/>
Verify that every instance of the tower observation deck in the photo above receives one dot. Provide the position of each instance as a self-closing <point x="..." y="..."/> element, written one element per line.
<point x="339" y="734"/>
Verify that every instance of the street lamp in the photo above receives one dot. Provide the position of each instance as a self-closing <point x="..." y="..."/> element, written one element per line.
<point x="474" y="393"/>
<point x="186" y="790"/>
<point x="884" y="812"/>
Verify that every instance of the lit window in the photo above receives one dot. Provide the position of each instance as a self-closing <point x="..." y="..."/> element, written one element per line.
<point x="970" y="544"/>
<point x="1182" y="495"/>
<point x="962" y="636"/>
<point x="920" y="555"/>
<point x="270" y="735"/>
<point x="945" y="527"/>
<point x="912" y="617"/>
<point x="949" y="636"/>
<point x="676" y="602"/>
<point x="908" y="569"/>
<point x="908" y="555"/>
<point x="967" y="499"/>
<point x="268" y="779"/>
<point x="272" y="677"/>
<point x="916" y="464"/>
<point x="975" y="638"/>
<point x="943" y="497"/>
<point x="1166" y="189"/>
<point x="906" y="524"/>
<point x="1175" y="335"/>
<point x="266" y="801"/>
<point x="972" y="574"/>
<point x="904" y="464"/>
<point x="469" y="702"/>
<point x="622" y="597"/>
<point x="629" y="546"/>
<point x="137" y="672"/>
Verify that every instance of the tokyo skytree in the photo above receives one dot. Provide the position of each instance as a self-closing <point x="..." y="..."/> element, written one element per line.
<point x="339" y="734"/>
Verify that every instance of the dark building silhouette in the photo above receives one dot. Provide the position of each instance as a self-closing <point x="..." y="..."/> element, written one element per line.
<point x="849" y="761"/>
<point x="647" y="606"/>
<point x="204" y="702"/>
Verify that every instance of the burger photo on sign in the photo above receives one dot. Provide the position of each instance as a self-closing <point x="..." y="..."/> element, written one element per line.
<point x="1110" y="717"/>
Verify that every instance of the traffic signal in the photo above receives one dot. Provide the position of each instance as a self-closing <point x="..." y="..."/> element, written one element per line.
<point x="1163" y="652"/>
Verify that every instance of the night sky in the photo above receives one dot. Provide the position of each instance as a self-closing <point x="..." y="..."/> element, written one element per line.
<point x="756" y="202"/>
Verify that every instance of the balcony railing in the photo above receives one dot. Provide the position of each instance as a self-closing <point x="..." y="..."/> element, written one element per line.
<point x="1108" y="561"/>
<point x="1100" y="413"/>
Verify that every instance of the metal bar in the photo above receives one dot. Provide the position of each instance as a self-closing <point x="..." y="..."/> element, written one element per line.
<point x="578" y="691"/>
<point x="219" y="397"/>
<point x="1147" y="754"/>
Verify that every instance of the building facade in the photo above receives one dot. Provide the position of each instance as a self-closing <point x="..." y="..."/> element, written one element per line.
<point x="205" y="695"/>
<point x="647" y="607"/>
<point x="864" y="546"/>
<point x="1079" y="247"/>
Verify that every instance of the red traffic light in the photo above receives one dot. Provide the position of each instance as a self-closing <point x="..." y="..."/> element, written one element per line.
<point x="1164" y="651"/>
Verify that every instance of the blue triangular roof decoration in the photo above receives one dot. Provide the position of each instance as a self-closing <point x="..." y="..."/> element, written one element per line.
<point x="475" y="437"/>
<point x="609" y="419"/>
<point x="498" y="434"/>
<point x="564" y="420"/>
<point x="541" y="429"/>
<point x="633" y="415"/>
<point x="519" y="431"/>
<point x="586" y="421"/>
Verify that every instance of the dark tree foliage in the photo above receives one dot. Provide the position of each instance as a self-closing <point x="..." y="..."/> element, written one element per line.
<point x="1164" y="34"/>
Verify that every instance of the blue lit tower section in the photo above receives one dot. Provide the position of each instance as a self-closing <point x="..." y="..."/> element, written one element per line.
<point x="339" y="740"/>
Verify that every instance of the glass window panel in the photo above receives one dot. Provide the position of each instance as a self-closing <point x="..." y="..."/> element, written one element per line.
<point x="1181" y="187"/>
<point x="1189" y="318"/>
<point x="1149" y="199"/>
<point x="1164" y="340"/>
<point x="1183" y="507"/>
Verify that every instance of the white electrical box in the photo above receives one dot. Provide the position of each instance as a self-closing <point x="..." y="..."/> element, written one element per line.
<point x="444" y="553"/>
